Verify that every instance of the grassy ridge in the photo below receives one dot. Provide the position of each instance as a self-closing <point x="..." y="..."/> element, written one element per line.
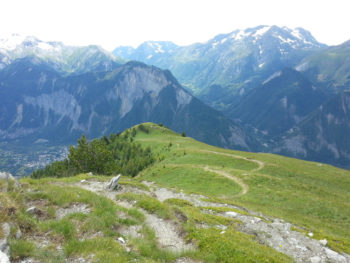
<point x="311" y="195"/>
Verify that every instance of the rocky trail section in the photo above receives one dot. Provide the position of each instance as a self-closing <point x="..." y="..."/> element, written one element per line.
<point x="166" y="231"/>
<point x="273" y="232"/>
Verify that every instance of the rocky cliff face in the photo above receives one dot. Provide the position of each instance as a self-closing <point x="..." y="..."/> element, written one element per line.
<point x="279" y="103"/>
<point x="38" y="103"/>
<point x="323" y="136"/>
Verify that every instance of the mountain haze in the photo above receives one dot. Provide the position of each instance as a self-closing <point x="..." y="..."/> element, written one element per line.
<point x="323" y="135"/>
<point x="279" y="103"/>
<point x="38" y="103"/>
<point x="228" y="63"/>
<point x="329" y="67"/>
<point x="66" y="59"/>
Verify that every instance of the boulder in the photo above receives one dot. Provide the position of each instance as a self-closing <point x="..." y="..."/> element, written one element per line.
<point x="334" y="256"/>
<point x="113" y="183"/>
<point x="121" y="240"/>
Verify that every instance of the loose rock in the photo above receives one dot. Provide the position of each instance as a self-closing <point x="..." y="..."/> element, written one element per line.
<point x="323" y="242"/>
<point x="121" y="240"/>
<point x="231" y="213"/>
<point x="4" y="258"/>
<point x="18" y="234"/>
<point x="31" y="210"/>
<point x="113" y="183"/>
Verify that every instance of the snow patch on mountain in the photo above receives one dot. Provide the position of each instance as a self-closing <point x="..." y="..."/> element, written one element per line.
<point x="260" y="32"/>
<point x="11" y="42"/>
<point x="296" y="33"/>
<point x="283" y="40"/>
<point x="240" y="34"/>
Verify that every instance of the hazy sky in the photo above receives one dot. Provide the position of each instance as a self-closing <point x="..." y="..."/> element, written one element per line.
<point x="130" y="22"/>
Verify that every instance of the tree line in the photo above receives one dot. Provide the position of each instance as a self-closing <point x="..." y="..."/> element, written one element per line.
<point x="115" y="154"/>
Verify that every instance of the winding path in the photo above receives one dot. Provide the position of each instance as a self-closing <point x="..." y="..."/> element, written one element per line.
<point x="260" y="164"/>
<point x="225" y="174"/>
<point x="238" y="181"/>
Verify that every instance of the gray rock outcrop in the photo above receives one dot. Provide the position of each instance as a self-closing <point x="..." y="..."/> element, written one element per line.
<point x="113" y="183"/>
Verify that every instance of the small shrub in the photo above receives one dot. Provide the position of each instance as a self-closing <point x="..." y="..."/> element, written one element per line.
<point x="21" y="249"/>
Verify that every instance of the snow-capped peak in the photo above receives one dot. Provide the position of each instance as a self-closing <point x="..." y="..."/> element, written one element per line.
<point x="296" y="33"/>
<point x="260" y="32"/>
<point x="240" y="34"/>
<point x="11" y="42"/>
<point x="155" y="46"/>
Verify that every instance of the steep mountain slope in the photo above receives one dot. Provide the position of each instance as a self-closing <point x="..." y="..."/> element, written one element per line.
<point x="64" y="58"/>
<point x="282" y="101"/>
<point x="323" y="135"/>
<point x="39" y="104"/>
<point x="330" y="67"/>
<point x="227" y="62"/>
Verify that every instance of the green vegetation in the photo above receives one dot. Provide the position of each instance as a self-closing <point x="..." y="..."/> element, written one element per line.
<point x="91" y="235"/>
<point x="150" y="204"/>
<point x="193" y="180"/>
<point x="108" y="155"/>
<point x="21" y="249"/>
<point x="314" y="197"/>
<point x="310" y="195"/>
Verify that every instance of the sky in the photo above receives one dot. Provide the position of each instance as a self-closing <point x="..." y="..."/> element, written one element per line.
<point x="112" y="23"/>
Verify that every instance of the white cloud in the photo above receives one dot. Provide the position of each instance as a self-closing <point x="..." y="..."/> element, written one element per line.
<point x="112" y="23"/>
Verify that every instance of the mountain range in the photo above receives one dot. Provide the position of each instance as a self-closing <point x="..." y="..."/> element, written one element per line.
<point x="270" y="79"/>
<point x="43" y="105"/>
<point x="229" y="64"/>
<point x="65" y="59"/>
<point x="269" y="88"/>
